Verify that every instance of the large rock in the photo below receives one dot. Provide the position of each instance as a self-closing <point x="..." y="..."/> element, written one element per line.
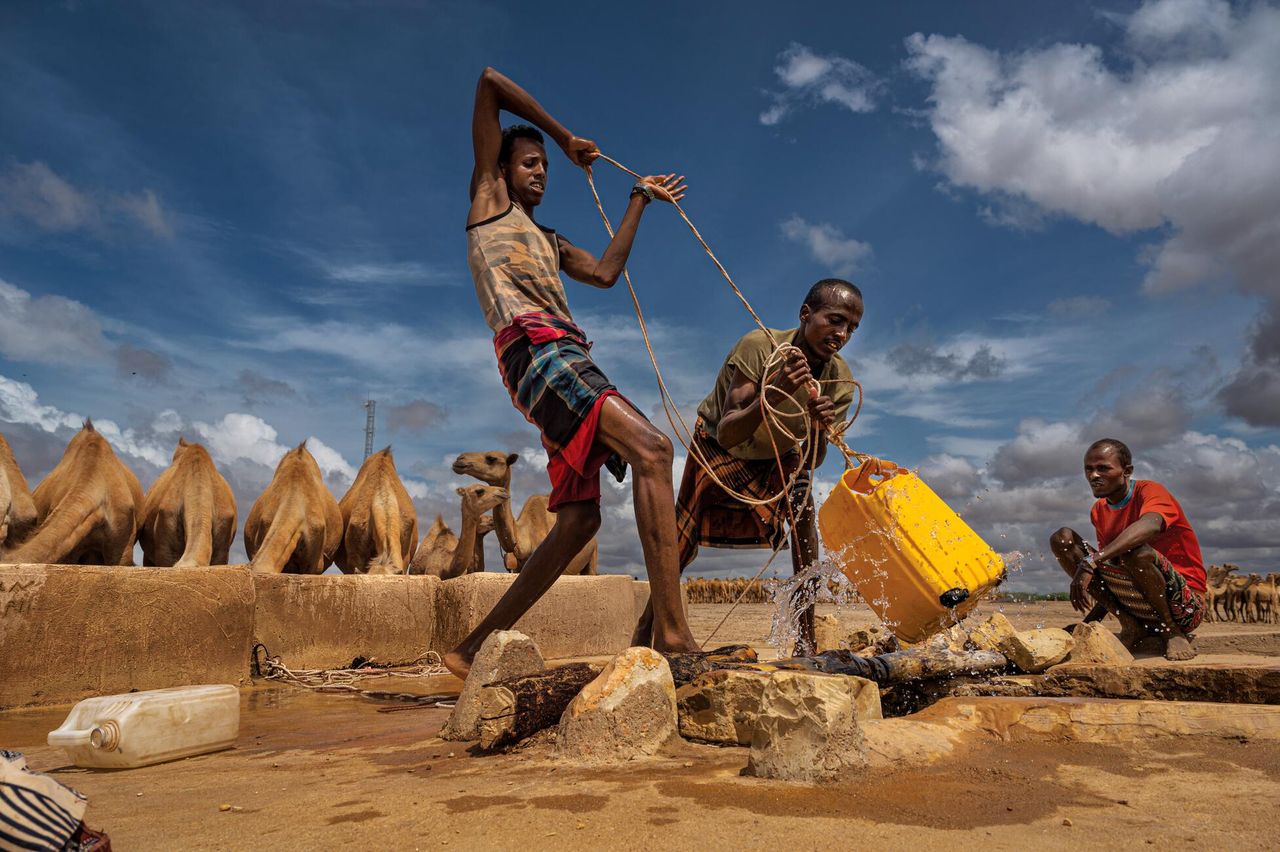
<point x="808" y="727"/>
<point x="69" y="632"/>
<point x="993" y="633"/>
<point x="577" y="617"/>
<point x="1034" y="651"/>
<point x="1096" y="645"/>
<point x="721" y="706"/>
<point x="325" y="621"/>
<point x="628" y="711"/>
<point x="1030" y="650"/>
<point x="827" y="633"/>
<point x="505" y="654"/>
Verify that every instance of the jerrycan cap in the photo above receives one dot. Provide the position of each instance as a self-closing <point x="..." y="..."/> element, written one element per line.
<point x="952" y="598"/>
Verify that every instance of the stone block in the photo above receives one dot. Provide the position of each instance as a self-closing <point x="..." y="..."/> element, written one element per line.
<point x="69" y="632"/>
<point x="628" y="711"/>
<point x="993" y="633"/>
<point x="1033" y="651"/>
<point x="827" y="633"/>
<point x="325" y="621"/>
<point x="578" y="617"/>
<point x="721" y="706"/>
<point x="808" y="728"/>
<point x="505" y="654"/>
<point x="1096" y="645"/>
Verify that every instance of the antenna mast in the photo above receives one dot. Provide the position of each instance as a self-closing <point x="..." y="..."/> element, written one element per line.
<point x="368" y="427"/>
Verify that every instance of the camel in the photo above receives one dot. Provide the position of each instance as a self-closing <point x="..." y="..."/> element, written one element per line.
<point x="17" y="509"/>
<point x="441" y="553"/>
<point x="189" y="514"/>
<point x="295" y="526"/>
<point x="380" y="525"/>
<point x="88" y="506"/>
<point x="520" y="536"/>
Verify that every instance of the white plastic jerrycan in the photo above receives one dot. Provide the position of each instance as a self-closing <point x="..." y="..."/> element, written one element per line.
<point x="142" y="728"/>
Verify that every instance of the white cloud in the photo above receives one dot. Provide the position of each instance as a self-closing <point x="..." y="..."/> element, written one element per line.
<point x="167" y="422"/>
<point x="1182" y="134"/>
<point x="48" y="329"/>
<point x="330" y="460"/>
<point x="827" y="244"/>
<point x="36" y="195"/>
<point x="241" y="436"/>
<point x="19" y="403"/>
<point x="809" y="78"/>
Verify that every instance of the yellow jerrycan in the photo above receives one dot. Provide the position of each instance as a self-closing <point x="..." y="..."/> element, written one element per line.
<point x="909" y="556"/>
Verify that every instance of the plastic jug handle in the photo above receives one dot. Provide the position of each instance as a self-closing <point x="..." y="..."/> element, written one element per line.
<point x="861" y="481"/>
<point x="69" y="739"/>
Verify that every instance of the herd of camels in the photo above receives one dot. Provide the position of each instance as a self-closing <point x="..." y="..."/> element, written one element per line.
<point x="90" y="510"/>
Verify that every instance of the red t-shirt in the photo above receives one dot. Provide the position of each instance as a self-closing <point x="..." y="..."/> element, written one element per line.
<point x="1177" y="543"/>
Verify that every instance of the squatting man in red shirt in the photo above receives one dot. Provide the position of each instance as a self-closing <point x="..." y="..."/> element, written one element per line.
<point x="1147" y="570"/>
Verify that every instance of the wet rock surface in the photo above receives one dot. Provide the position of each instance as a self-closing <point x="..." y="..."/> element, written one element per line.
<point x="808" y="727"/>
<point x="628" y="711"/>
<point x="1094" y="644"/>
<point x="721" y="706"/>
<point x="1033" y="651"/>
<point x="505" y="654"/>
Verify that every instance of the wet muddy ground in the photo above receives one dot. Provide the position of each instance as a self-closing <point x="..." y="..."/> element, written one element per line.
<point x="334" y="771"/>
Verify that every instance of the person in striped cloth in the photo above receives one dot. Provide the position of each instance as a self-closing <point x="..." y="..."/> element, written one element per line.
<point x="737" y="444"/>
<point x="1147" y="570"/>
<point x="545" y="359"/>
<point x="37" y="812"/>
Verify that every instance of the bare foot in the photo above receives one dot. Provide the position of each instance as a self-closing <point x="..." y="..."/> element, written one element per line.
<point x="457" y="663"/>
<point x="1178" y="647"/>
<point x="686" y="645"/>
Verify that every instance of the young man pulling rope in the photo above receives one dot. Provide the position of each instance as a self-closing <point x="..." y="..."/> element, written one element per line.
<point x="756" y="455"/>
<point x="545" y="362"/>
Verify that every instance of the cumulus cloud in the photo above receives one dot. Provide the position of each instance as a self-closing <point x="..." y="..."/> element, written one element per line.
<point x="827" y="244"/>
<point x="807" y="78"/>
<point x="415" y="416"/>
<point x="1180" y="136"/>
<point x="36" y="196"/>
<point x="241" y="436"/>
<point x="48" y="329"/>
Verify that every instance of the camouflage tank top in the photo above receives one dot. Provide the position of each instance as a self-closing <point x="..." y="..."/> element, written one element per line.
<point x="515" y="263"/>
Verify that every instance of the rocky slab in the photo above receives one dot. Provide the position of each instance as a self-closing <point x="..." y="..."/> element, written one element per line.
<point x="721" y="706"/>
<point x="629" y="711"/>
<point x="505" y="654"/>
<point x="808" y="727"/>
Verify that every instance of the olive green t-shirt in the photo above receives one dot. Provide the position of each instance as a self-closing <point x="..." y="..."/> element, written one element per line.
<point x="748" y="357"/>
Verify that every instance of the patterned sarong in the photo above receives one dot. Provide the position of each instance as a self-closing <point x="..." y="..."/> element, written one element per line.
<point x="1185" y="605"/>
<point x="705" y="515"/>
<point x="547" y="369"/>
<point x="36" y="812"/>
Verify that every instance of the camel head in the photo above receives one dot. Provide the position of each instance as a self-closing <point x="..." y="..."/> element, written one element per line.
<point x="481" y="498"/>
<point x="493" y="467"/>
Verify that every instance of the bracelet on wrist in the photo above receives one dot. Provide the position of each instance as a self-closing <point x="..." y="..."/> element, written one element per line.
<point x="642" y="188"/>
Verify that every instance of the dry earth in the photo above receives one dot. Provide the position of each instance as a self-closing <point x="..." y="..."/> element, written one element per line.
<point x="336" y="771"/>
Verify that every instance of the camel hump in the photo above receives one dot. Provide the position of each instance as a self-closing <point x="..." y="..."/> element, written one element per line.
<point x="88" y="425"/>
<point x="182" y="442"/>
<point x="385" y="451"/>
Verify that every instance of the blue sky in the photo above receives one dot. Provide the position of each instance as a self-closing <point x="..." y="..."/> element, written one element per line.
<point x="234" y="223"/>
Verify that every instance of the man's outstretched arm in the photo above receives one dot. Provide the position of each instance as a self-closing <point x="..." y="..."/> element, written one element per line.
<point x="494" y="93"/>
<point x="580" y="265"/>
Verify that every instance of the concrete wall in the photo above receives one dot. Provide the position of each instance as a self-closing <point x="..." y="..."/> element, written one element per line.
<point x="69" y="632"/>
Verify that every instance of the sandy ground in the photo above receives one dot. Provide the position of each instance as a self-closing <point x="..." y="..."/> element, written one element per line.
<point x="340" y="771"/>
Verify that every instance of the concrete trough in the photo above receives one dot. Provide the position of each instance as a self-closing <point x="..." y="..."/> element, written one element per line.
<point x="69" y="632"/>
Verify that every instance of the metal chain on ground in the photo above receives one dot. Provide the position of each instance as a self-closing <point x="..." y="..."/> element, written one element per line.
<point x="348" y="681"/>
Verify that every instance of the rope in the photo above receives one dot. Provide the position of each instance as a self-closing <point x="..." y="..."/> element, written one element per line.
<point x="349" y="680"/>
<point x="773" y="415"/>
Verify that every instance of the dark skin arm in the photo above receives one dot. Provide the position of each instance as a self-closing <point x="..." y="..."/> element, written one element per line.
<point x="743" y="412"/>
<point x="1140" y="532"/>
<point x="580" y="265"/>
<point x="495" y="93"/>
